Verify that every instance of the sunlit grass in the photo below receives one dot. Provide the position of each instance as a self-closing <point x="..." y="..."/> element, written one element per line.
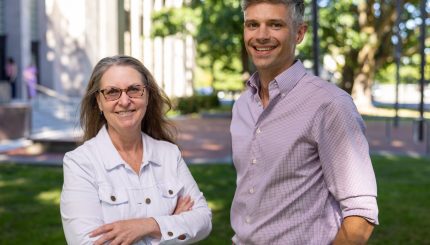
<point x="29" y="202"/>
<point x="52" y="196"/>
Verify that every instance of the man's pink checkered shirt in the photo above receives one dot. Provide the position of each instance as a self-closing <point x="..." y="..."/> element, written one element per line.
<point x="302" y="162"/>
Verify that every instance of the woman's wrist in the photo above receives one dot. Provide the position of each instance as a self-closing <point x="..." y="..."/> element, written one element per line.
<point x="151" y="227"/>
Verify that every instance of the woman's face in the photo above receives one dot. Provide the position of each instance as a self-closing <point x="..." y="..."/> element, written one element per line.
<point x="123" y="115"/>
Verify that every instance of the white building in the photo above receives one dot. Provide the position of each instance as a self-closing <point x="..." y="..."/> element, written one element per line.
<point x="65" y="39"/>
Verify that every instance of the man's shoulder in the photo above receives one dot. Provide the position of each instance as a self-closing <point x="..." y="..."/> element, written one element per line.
<point x="323" y="88"/>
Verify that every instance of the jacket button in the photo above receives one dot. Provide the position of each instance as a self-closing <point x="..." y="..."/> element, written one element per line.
<point x="147" y="200"/>
<point x="170" y="192"/>
<point x="113" y="198"/>
<point x="170" y="233"/>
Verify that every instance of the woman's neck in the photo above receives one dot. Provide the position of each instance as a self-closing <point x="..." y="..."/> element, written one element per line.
<point x="128" y="142"/>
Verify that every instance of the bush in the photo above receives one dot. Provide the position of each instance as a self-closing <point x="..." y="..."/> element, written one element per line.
<point x="197" y="103"/>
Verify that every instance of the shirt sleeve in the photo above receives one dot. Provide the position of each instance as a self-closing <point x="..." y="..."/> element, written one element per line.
<point x="80" y="206"/>
<point x="195" y="224"/>
<point x="345" y="160"/>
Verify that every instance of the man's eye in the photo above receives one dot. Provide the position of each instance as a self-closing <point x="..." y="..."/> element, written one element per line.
<point x="276" y="25"/>
<point x="252" y="25"/>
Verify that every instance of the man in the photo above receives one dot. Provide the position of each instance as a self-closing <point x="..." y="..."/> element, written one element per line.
<point x="304" y="174"/>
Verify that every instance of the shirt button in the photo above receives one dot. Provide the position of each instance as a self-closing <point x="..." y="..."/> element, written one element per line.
<point x="283" y="95"/>
<point x="254" y="161"/>
<point x="170" y="233"/>
<point x="113" y="198"/>
<point x="258" y="130"/>
<point x="248" y="219"/>
<point x="147" y="200"/>
<point x="251" y="190"/>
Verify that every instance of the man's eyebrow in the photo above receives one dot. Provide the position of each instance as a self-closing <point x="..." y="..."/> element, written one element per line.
<point x="269" y="20"/>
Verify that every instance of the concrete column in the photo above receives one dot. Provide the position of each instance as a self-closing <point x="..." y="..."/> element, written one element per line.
<point x="136" y="28"/>
<point x="46" y="52"/>
<point x="108" y="28"/>
<point x="148" y="54"/>
<point x="17" y="26"/>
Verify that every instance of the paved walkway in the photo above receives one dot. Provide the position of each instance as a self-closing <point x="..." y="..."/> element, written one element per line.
<point x="207" y="140"/>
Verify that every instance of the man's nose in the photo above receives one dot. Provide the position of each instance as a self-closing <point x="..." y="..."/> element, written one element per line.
<point x="263" y="34"/>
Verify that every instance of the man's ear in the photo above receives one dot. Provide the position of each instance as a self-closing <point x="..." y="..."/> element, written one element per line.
<point x="301" y="31"/>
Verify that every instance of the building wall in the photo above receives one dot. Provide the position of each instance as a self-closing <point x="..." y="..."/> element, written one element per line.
<point x="77" y="34"/>
<point x="71" y="36"/>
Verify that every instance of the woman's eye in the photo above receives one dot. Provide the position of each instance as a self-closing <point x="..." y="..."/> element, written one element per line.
<point x="134" y="89"/>
<point x="112" y="91"/>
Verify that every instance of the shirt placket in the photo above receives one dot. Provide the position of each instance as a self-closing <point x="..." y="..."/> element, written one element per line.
<point x="253" y="161"/>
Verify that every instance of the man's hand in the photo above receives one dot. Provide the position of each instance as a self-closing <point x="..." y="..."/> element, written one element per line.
<point x="184" y="204"/>
<point x="126" y="231"/>
<point x="354" y="230"/>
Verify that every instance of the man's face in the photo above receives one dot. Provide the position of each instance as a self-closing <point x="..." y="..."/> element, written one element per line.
<point x="270" y="37"/>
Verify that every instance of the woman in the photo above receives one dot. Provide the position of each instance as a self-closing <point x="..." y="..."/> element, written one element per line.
<point x="128" y="182"/>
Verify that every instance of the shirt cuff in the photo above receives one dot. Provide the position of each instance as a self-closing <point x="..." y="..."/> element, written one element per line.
<point x="363" y="206"/>
<point x="171" y="231"/>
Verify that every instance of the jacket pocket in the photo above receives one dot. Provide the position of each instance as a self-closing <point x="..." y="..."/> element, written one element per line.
<point x="115" y="203"/>
<point x="170" y="192"/>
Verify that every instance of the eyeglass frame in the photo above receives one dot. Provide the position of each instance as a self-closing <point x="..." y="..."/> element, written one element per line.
<point x="121" y="91"/>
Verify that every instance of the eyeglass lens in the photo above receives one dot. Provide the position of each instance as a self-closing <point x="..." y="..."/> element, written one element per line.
<point x="113" y="93"/>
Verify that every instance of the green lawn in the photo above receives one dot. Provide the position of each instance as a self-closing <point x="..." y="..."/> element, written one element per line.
<point x="29" y="202"/>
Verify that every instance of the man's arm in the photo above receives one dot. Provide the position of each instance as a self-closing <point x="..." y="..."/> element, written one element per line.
<point x="354" y="230"/>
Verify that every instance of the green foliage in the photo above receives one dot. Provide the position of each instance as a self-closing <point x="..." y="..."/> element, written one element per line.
<point x="197" y="103"/>
<point x="217" y="28"/>
<point x="174" y="21"/>
<point x="358" y="36"/>
<point x="354" y="33"/>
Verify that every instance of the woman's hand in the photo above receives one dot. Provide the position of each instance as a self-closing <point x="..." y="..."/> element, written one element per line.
<point x="184" y="204"/>
<point x="130" y="231"/>
<point x="126" y="231"/>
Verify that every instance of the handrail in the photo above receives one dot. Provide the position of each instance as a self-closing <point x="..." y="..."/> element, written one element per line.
<point x="53" y="93"/>
<point x="66" y="106"/>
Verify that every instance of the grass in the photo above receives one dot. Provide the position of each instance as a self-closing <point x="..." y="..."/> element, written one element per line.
<point x="29" y="202"/>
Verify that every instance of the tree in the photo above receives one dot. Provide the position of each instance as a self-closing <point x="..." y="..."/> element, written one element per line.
<point x="217" y="29"/>
<point x="357" y="34"/>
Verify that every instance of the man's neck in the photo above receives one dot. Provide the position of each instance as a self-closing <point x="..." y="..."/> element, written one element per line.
<point x="265" y="77"/>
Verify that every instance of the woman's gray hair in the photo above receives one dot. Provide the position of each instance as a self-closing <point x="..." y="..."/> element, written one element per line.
<point x="296" y="7"/>
<point x="154" y="123"/>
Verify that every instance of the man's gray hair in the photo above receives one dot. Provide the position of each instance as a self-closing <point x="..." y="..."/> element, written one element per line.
<point x="296" y="7"/>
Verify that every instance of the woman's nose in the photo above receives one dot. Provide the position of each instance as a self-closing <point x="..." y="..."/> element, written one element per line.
<point x="124" y="99"/>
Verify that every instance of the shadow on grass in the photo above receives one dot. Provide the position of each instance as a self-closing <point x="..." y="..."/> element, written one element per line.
<point x="29" y="205"/>
<point x="218" y="183"/>
<point x="29" y="202"/>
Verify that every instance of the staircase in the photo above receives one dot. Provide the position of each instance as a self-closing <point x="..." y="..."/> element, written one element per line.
<point x="55" y="121"/>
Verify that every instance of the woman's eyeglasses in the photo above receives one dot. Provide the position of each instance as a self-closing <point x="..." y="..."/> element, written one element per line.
<point x="114" y="93"/>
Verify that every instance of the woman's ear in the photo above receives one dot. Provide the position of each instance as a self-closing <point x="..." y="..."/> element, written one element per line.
<point x="99" y="103"/>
